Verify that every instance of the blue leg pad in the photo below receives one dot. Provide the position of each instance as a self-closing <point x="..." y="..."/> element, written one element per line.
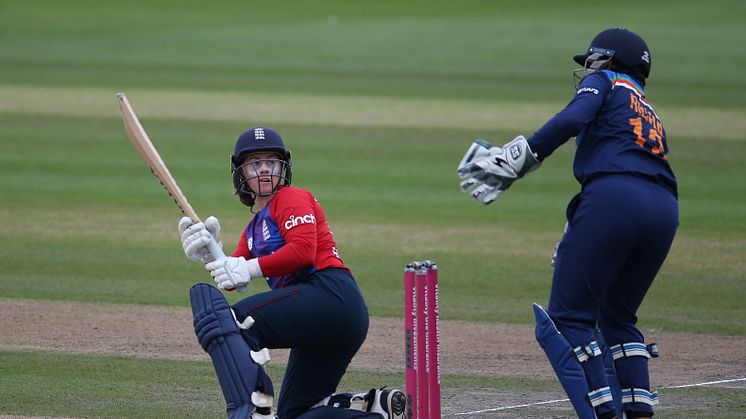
<point x="219" y="336"/>
<point x="610" y="371"/>
<point x="565" y="363"/>
<point x="632" y="369"/>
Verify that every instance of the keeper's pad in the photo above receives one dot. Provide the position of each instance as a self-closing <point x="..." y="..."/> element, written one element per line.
<point x="627" y="355"/>
<point x="610" y="371"/>
<point x="639" y="395"/>
<point x="566" y="362"/>
<point x="626" y="350"/>
<point x="219" y="335"/>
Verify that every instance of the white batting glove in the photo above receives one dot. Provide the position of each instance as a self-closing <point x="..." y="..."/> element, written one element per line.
<point x="231" y="272"/>
<point x="195" y="237"/>
<point x="486" y="170"/>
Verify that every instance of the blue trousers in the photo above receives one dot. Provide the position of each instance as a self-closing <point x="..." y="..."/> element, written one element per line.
<point x="323" y="321"/>
<point x="620" y="229"/>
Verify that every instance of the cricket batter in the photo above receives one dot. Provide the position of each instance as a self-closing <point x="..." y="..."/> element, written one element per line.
<point x="314" y="306"/>
<point x="619" y="227"/>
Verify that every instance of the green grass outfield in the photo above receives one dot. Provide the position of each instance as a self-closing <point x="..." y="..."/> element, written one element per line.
<point x="378" y="101"/>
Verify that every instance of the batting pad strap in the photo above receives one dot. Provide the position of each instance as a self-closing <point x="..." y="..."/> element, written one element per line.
<point x="600" y="396"/>
<point x="626" y="350"/>
<point x="610" y="371"/>
<point x="586" y="352"/>
<point x="639" y="395"/>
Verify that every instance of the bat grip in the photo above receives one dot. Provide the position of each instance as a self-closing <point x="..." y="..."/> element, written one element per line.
<point x="217" y="254"/>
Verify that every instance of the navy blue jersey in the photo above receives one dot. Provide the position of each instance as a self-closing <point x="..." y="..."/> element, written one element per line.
<point x="616" y="130"/>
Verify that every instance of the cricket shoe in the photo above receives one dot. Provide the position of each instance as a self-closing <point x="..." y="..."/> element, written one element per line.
<point x="389" y="403"/>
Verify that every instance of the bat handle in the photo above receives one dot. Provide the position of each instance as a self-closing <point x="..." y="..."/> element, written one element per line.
<point x="217" y="254"/>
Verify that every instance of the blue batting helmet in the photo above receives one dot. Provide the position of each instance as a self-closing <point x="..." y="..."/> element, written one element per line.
<point x="256" y="140"/>
<point x="259" y="139"/>
<point x="628" y="51"/>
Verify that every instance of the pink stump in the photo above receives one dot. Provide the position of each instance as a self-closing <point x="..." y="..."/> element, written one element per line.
<point x="433" y="346"/>
<point x="409" y="343"/>
<point x="420" y="280"/>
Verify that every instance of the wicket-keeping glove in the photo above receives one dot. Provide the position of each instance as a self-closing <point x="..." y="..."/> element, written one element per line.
<point x="195" y="237"/>
<point x="232" y="272"/>
<point x="486" y="171"/>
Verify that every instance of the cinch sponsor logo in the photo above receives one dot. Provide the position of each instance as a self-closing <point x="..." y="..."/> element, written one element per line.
<point x="304" y="219"/>
<point x="587" y="89"/>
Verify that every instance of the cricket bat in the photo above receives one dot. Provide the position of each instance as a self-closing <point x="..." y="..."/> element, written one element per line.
<point x="144" y="147"/>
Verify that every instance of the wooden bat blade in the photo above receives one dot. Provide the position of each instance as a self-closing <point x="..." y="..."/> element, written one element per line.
<point x="144" y="147"/>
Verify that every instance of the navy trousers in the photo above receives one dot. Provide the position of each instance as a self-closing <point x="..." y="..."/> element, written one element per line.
<point x="620" y="229"/>
<point x="323" y="321"/>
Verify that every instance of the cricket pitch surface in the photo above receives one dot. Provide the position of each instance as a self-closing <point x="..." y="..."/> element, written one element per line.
<point x="492" y="350"/>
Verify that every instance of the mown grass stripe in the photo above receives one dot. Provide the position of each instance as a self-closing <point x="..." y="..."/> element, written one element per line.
<point x="358" y="111"/>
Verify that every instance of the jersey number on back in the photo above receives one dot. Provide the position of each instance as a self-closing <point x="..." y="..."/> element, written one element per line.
<point x="654" y="142"/>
